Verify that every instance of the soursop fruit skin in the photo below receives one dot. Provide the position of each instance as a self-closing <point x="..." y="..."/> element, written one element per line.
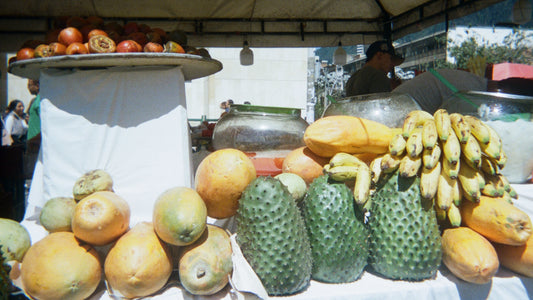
<point x="405" y="241"/>
<point x="337" y="234"/>
<point x="271" y="234"/>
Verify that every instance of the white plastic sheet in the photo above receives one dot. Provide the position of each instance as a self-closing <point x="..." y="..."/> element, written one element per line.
<point x="129" y="121"/>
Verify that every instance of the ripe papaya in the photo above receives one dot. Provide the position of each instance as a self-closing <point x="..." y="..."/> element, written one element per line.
<point x="60" y="266"/>
<point x="101" y="218"/>
<point x="497" y="220"/>
<point x="205" y="265"/>
<point x="179" y="216"/>
<point x="330" y="135"/>
<point x="517" y="258"/>
<point x="139" y="264"/>
<point x="468" y="255"/>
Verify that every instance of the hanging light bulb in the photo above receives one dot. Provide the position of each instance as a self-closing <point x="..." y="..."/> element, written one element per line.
<point x="246" y="56"/>
<point x="522" y="11"/>
<point x="339" y="57"/>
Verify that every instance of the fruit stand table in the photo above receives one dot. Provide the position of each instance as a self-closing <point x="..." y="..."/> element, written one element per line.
<point x="121" y="112"/>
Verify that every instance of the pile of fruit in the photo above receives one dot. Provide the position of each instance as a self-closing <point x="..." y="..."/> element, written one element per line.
<point x="398" y="202"/>
<point x="91" y="35"/>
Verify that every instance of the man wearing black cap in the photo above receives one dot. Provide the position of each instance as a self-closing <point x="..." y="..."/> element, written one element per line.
<point x="372" y="77"/>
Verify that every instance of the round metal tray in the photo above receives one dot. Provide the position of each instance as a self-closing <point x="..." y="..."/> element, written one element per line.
<point x="194" y="66"/>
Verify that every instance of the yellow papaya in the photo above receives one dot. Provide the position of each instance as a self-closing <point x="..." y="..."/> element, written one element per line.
<point x="517" y="258"/>
<point x="497" y="220"/>
<point x="329" y="135"/>
<point x="468" y="255"/>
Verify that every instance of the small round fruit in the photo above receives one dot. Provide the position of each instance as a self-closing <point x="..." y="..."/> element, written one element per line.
<point x="179" y="216"/>
<point x="25" y="53"/>
<point x="57" y="49"/>
<point x="76" y="48"/>
<point x="221" y="178"/>
<point x="14" y="239"/>
<point x="60" y="267"/>
<point x="96" y="31"/>
<point x="70" y="35"/>
<point x="101" y="44"/>
<point x="204" y="266"/>
<point x="128" y="46"/>
<point x="90" y="182"/>
<point x="101" y="218"/>
<point x="304" y="163"/>
<point x="56" y="214"/>
<point x="43" y="50"/>
<point x="294" y="183"/>
<point x="173" y="47"/>
<point x="138" y="264"/>
<point x="153" y="47"/>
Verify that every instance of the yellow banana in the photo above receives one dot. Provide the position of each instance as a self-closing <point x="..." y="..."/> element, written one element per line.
<point x="478" y="129"/>
<point x="375" y="168"/>
<point x="429" y="181"/>
<point x="409" y="166"/>
<point x="468" y="177"/>
<point x="444" y="197"/>
<point x="429" y="134"/>
<point x="452" y="170"/>
<point x="452" y="148"/>
<point x="502" y="160"/>
<point x="413" y="145"/>
<point x="430" y="157"/>
<point x="504" y="182"/>
<point x="342" y="173"/>
<point x="440" y="213"/>
<point x="363" y="181"/>
<point x="457" y="192"/>
<point x="454" y="216"/>
<point x="397" y="145"/>
<point x="512" y="192"/>
<point x="442" y="123"/>
<point x="491" y="188"/>
<point x="494" y="146"/>
<point x="344" y="159"/>
<point x="494" y="180"/>
<point x="471" y="152"/>
<point x="507" y="197"/>
<point x="460" y="127"/>
<point x="489" y="166"/>
<point x="414" y="119"/>
<point x="390" y="163"/>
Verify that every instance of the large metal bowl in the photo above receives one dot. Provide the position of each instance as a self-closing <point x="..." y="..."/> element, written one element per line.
<point x="386" y="108"/>
<point x="510" y="115"/>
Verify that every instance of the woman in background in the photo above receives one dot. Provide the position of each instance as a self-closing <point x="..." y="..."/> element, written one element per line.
<point x="16" y="123"/>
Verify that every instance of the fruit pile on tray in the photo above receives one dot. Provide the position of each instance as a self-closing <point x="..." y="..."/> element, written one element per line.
<point x="91" y="35"/>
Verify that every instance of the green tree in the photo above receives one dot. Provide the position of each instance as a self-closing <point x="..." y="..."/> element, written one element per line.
<point x="514" y="49"/>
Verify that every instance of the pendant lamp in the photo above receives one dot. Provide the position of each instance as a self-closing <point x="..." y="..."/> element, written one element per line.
<point x="246" y="56"/>
<point x="339" y="57"/>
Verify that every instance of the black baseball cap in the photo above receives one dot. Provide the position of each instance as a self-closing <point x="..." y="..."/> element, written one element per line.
<point x="383" y="46"/>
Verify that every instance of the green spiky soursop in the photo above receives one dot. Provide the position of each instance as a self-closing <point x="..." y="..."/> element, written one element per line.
<point x="271" y="234"/>
<point x="338" y="237"/>
<point x="404" y="235"/>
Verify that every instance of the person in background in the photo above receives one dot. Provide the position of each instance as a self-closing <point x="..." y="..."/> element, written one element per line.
<point x="15" y="122"/>
<point x="372" y="77"/>
<point x="33" y="143"/>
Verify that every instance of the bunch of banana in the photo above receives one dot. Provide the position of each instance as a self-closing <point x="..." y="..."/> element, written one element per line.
<point x="345" y="167"/>
<point x="456" y="156"/>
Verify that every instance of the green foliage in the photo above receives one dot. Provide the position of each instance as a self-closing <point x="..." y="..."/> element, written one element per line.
<point x="514" y="49"/>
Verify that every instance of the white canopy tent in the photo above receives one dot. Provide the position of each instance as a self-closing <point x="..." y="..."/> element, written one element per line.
<point x="263" y="23"/>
